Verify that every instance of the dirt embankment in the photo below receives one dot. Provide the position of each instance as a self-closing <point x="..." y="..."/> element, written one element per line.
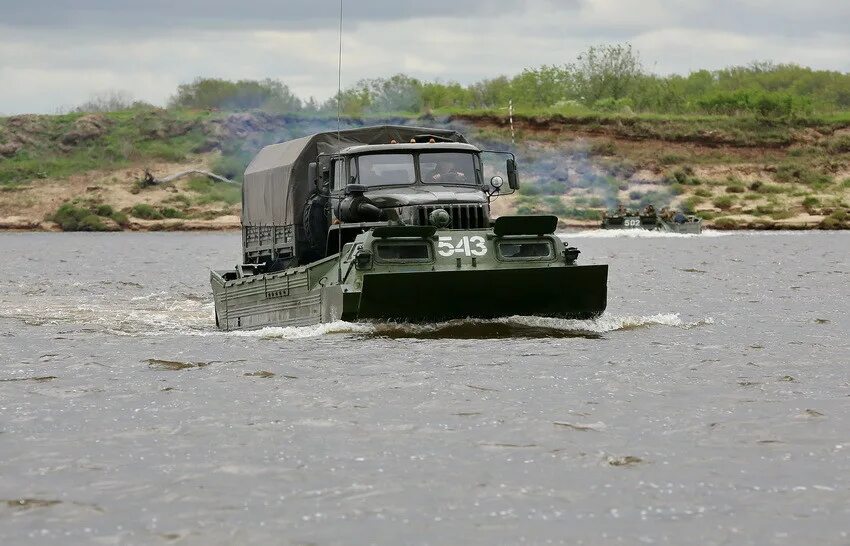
<point x="708" y="132"/>
<point x="95" y="161"/>
<point x="736" y="174"/>
<point x="30" y="207"/>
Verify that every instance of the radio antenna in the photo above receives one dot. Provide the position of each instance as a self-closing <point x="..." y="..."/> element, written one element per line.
<point x="339" y="77"/>
<point x="338" y="139"/>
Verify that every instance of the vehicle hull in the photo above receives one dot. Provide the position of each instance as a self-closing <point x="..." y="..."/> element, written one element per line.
<point x="693" y="225"/>
<point x="462" y="276"/>
<point x="566" y="292"/>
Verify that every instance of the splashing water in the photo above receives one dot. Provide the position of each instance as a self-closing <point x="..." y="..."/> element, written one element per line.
<point x="508" y="327"/>
<point x="345" y="424"/>
<point x="639" y="234"/>
<point x="162" y="313"/>
<point x="153" y="314"/>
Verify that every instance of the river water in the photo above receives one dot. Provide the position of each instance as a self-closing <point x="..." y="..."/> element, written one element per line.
<point x="709" y="405"/>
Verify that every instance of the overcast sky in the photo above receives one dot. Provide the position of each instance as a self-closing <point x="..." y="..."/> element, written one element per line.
<point x="57" y="53"/>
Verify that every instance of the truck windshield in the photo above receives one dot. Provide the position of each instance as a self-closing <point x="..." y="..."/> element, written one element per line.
<point x="386" y="169"/>
<point x="447" y="168"/>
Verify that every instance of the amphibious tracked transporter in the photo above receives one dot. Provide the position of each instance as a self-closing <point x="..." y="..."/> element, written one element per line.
<point x="392" y="223"/>
<point x="667" y="220"/>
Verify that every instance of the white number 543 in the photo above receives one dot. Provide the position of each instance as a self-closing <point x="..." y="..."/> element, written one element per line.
<point x="468" y="246"/>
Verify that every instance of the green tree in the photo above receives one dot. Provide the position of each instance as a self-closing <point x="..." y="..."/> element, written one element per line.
<point x="445" y="95"/>
<point x="605" y="72"/>
<point x="493" y="93"/>
<point x="398" y="93"/>
<point x="268" y="94"/>
<point x="544" y="86"/>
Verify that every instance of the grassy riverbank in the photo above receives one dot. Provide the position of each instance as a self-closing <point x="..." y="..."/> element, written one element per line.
<point x="85" y="171"/>
<point x="734" y="172"/>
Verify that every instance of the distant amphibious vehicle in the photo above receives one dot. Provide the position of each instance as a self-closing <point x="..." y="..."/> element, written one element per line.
<point x="393" y="223"/>
<point x="666" y="220"/>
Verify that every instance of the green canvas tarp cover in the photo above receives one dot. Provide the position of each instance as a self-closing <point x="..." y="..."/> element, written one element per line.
<point x="276" y="185"/>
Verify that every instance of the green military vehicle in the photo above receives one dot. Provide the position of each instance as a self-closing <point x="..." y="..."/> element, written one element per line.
<point x="392" y="223"/>
<point x="667" y="220"/>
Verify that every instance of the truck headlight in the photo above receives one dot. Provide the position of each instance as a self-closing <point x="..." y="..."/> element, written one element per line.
<point x="440" y="218"/>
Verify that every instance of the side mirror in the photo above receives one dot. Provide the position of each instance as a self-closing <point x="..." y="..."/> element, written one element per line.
<point x="513" y="180"/>
<point x="312" y="174"/>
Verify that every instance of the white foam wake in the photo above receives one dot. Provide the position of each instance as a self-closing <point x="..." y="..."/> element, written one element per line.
<point x="298" y="332"/>
<point x="520" y="325"/>
<point x="608" y="323"/>
<point x="175" y="314"/>
<point x="638" y="234"/>
<point x="152" y="314"/>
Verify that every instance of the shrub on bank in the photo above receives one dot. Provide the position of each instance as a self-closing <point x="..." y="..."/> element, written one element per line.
<point x="555" y="205"/>
<point x="724" y="202"/>
<point x="801" y="174"/>
<point x="684" y="176"/>
<point x="837" y="220"/>
<point x="104" y="210"/>
<point x="72" y="217"/>
<point x="527" y="204"/>
<point x="120" y="218"/>
<point x="691" y="203"/>
<point x="810" y="202"/>
<point x="145" y="212"/>
<point x="581" y="214"/>
<point x="149" y="212"/>
<point x="168" y="212"/>
<point x="726" y="223"/>
<point x="734" y="185"/>
<point x="781" y="214"/>
<point x="761" y="187"/>
<point x="214" y="192"/>
<point x="839" y="145"/>
<point x="752" y="101"/>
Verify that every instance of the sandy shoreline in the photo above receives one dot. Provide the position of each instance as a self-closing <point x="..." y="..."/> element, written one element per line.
<point x="232" y="223"/>
<point x="224" y="223"/>
<point x="568" y="172"/>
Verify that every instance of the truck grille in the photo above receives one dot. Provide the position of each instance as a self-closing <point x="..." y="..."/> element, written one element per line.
<point x="463" y="216"/>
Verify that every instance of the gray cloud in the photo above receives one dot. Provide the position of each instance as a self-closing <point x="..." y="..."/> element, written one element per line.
<point x="59" y="53"/>
<point x="199" y="14"/>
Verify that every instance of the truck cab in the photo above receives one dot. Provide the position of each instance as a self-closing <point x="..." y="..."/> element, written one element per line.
<point x="404" y="184"/>
<point x="303" y="199"/>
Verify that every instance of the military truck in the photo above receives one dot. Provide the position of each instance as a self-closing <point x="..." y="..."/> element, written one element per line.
<point x="393" y="223"/>
<point x="667" y="220"/>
